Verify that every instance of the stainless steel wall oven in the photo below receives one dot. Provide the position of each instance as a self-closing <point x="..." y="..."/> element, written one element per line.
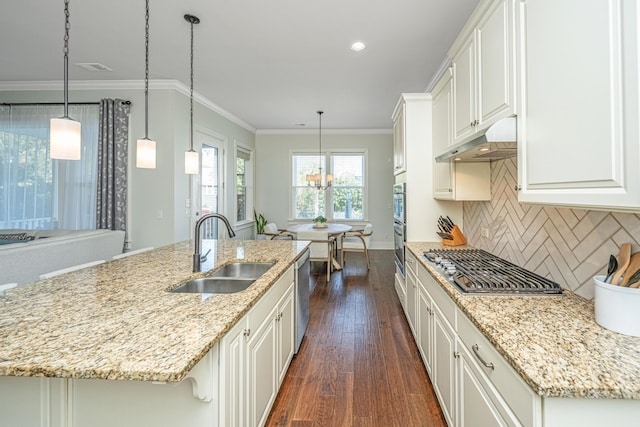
<point x="399" y="223"/>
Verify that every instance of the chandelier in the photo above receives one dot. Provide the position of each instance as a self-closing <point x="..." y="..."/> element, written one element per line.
<point x="316" y="180"/>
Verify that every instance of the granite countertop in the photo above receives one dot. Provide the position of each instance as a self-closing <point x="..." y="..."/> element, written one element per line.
<point x="553" y="342"/>
<point x="117" y="320"/>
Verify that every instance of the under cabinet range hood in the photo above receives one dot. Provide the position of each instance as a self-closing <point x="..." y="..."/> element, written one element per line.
<point x="497" y="142"/>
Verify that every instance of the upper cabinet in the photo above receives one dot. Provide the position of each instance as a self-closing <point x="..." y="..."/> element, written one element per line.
<point x="399" y="164"/>
<point x="483" y="69"/>
<point x="451" y="181"/>
<point x="578" y="126"/>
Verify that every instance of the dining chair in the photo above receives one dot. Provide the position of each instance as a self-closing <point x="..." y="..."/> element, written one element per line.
<point x="320" y="249"/>
<point x="356" y="241"/>
<point x="137" y="251"/>
<point x="276" y="233"/>
<point x="70" y="269"/>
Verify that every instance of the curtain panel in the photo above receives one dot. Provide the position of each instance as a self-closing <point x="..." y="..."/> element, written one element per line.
<point x="113" y="140"/>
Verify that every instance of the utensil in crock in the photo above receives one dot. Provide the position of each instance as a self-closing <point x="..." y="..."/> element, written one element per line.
<point x="623" y="262"/>
<point x="632" y="269"/>
<point x="613" y="265"/>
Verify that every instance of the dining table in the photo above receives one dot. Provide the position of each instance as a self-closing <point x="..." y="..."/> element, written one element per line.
<point x="333" y="229"/>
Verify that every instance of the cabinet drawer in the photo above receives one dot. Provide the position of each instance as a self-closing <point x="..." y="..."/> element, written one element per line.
<point x="258" y="313"/>
<point x="411" y="263"/>
<point x="399" y="285"/>
<point x="522" y="401"/>
<point x="439" y="296"/>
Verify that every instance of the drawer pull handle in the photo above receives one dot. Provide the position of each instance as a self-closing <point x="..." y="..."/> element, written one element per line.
<point x="475" y="351"/>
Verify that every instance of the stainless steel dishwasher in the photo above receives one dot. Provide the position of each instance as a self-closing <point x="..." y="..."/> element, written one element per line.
<point x="302" y="297"/>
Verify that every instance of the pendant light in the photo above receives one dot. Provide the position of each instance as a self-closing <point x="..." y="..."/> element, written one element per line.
<point x="64" y="132"/>
<point x="145" y="147"/>
<point x="191" y="160"/>
<point x="315" y="180"/>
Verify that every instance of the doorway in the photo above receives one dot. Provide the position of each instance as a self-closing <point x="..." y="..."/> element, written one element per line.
<point x="208" y="187"/>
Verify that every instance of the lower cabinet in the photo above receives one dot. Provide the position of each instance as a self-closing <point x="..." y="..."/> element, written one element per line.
<point x="255" y="355"/>
<point x="471" y="385"/>
<point x="444" y="366"/>
<point x="476" y="409"/>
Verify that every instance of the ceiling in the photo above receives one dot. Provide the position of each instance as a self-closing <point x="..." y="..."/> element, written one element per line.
<point x="272" y="63"/>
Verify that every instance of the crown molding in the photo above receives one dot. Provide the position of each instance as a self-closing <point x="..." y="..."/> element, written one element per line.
<point x="444" y="66"/>
<point x="127" y="85"/>
<point x="324" y="131"/>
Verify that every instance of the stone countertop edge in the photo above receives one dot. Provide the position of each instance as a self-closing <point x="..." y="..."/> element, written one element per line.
<point x="118" y="321"/>
<point x="553" y="342"/>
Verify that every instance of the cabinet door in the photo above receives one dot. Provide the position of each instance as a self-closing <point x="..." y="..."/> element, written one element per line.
<point x="443" y="173"/>
<point x="233" y="377"/>
<point x="464" y="115"/>
<point x="425" y="328"/>
<point x="578" y="122"/>
<point x="262" y="373"/>
<point x="476" y="409"/>
<point x="444" y="368"/>
<point x="495" y="63"/>
<point x="399" y="142"/>
<point x="286" y="334"/>
<point x="412" y="291"/>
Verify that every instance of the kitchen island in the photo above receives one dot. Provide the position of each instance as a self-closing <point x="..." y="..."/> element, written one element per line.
<point x="63" y="341"/>
<point x="572" y="372"/>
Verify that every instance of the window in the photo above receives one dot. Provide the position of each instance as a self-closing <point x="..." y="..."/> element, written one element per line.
<point x="35" y="191"/>
<point x="244" y="185"/>
<point x="345" y="200"/>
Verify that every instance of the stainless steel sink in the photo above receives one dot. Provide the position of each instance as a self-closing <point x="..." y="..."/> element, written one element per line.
<point x="229" y="279"/>
<point x="243" y="270"/>
<point x="214" y="285"/>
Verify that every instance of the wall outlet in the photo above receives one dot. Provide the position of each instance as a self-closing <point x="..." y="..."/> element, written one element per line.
<point x="484" y="232"/>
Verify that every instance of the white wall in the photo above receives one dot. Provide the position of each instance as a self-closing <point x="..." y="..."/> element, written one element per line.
<point x="164" y="189"/>
<point x="273" y="169"/>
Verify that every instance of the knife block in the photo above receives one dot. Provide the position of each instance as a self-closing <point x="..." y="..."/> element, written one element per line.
<point x="458" y="238"/>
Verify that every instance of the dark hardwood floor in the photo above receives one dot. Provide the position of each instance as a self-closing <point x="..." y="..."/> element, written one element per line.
<point x="358" y="364"/>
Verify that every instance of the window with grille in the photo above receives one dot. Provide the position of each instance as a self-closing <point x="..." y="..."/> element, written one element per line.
<point x="344" y="200"/>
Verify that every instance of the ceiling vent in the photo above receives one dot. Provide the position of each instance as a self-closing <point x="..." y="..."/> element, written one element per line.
<point x="93" y="66"/>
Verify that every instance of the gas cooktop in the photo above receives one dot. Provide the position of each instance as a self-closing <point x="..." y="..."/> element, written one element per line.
<point x="475" y="271"/>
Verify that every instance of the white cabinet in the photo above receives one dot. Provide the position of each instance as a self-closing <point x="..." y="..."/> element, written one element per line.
<point x="285" y="333"/>
<point x="444" y="366"/>
<point x="412" y="299"/>
<point x="476" y="409"/>
<point x="578" y="127"/>
<point x="475" y="386"/>
<point x="399" y="141"/>
<point x="255" y="355"/>
<point x="451" y="180"/>
<point x="483" y="69"/>
<point x="414" y="111"/>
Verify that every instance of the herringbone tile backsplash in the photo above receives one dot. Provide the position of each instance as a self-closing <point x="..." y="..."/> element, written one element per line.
<point x="568" y="246"/>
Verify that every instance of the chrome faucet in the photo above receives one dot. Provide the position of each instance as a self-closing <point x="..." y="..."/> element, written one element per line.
<point x="198" y="240"/>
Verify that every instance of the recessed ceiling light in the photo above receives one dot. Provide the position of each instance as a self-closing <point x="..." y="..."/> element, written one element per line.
<point x="484" y="149"/>
<point x="457" y="159"/>
<point x="357" y="46"/>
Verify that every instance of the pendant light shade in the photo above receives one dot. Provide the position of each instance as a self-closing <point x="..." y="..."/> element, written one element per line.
<point x="145" y="153"/>
<point x="145" y="147"/>
<point x="191" y="160"/>
<point x="65" y="140"/>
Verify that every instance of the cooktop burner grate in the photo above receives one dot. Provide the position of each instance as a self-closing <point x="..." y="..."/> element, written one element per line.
<point x="479" y="272"/>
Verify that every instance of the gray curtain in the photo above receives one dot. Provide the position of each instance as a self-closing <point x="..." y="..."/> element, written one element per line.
<point x="113" y="140"/>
